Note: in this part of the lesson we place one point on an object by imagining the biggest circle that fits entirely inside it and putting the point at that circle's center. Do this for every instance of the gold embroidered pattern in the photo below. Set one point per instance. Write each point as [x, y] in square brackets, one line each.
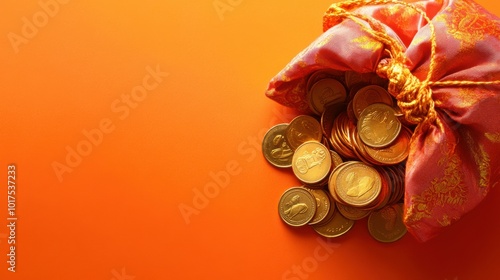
[493, 137]
[481, 158]
[448, 190]
[284, 78]
[468, 24]
[402, 17]
[302, 64]
[324, 41]
[445, 221]
[367, 43]
[417, 40]
[439, 58]
[468, 97]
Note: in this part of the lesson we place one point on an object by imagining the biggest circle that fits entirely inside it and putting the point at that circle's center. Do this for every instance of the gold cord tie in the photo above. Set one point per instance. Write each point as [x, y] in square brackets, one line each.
[414, 96]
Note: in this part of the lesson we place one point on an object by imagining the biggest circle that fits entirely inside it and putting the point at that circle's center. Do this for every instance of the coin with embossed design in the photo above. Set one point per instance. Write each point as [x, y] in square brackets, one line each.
[378, 125]
[325, 91]
[386, 224]
[394, 153]
[336, 227]
[351, 212]
[331, 211]
[297, 206]
[302, 129]
[324, 74]
[322, 205]
[311, 163]
[370, 95]
[357, 184]
[275, 148]
[350, 156]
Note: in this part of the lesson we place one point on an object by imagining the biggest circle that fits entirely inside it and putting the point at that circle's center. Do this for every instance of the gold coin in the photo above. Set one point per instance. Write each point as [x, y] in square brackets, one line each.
[360, 148]
[336, 159]
[370, 95]
[397, 183]
[386, 224]
[358, 184]
[351, 212]
[297, 206]
[311, 163]
[345, 133]
[378, 126]
[323, 92]
[331, 211]
[332, 181]
[390, 192]
[356, 147]
[324, 74]
[336, 227]
[340, 143]
[301, 129]
[322, 205]
[275, 148]
[385, 190]
[394, 153]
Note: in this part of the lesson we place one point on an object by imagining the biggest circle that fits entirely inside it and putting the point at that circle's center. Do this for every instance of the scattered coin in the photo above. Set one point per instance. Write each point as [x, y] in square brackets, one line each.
[386, 224]
[275, 148]
[322, 205]
[393, 154]
[351, 212]
[378, 125]
[351, 162]
[357, 184]
[297, 206]
[337, 226]
[302, 129]
[323, 92]
[370, 95]
[311, 163]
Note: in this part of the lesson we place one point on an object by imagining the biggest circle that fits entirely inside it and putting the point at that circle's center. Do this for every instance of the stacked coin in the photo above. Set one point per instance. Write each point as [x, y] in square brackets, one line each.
[349, 157]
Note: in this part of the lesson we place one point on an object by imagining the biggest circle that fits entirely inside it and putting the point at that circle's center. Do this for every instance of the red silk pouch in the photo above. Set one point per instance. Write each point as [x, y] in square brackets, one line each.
[442, 60]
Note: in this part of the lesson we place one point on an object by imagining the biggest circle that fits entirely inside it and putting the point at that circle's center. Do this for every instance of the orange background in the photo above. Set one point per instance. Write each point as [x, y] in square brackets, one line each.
[117, 215]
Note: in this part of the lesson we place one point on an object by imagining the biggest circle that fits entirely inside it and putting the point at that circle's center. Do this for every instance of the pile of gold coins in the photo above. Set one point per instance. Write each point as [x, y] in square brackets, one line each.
[349, 157]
